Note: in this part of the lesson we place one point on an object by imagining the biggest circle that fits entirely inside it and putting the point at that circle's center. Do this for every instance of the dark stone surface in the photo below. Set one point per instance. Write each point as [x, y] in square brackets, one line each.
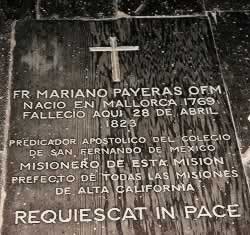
[77, 8]
[21, 9]
[222, 5]
[160, 7]
[18, 9]
[232, 35]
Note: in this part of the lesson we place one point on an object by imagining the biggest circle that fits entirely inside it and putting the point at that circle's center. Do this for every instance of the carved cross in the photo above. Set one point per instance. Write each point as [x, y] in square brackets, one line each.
[114, 49]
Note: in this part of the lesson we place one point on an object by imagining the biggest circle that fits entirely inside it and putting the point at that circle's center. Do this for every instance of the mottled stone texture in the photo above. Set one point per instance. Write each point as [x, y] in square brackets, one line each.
[16, 9]
[77, 8]
[5, 28]
[4, 65]
[236, 5]
[175, 7]
[160, 7]
[232, 35]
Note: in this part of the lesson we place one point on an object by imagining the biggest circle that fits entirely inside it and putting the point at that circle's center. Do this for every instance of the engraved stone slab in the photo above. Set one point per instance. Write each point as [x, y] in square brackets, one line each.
[153, 154]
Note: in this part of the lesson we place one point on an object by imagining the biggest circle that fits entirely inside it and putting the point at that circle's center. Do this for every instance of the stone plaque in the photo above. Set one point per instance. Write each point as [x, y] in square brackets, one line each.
[121, 127]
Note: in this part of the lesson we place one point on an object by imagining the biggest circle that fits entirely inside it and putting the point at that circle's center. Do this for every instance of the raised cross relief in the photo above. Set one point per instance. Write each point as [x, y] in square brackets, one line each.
[114, 49]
